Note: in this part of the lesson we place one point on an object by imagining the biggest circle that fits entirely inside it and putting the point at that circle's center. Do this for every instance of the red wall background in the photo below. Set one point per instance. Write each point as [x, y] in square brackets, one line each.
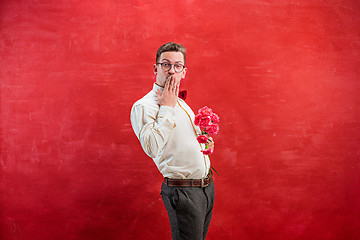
[282, 75]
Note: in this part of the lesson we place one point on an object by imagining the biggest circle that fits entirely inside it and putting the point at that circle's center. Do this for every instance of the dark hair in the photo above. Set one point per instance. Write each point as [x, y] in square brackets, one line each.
[170, 47]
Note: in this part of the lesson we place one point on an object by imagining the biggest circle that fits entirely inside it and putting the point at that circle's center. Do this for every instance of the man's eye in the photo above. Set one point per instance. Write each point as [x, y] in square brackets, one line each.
[178, 65]
[166, 64]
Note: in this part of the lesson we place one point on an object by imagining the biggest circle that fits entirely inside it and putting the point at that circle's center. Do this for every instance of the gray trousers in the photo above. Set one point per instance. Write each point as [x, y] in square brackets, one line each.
[189, 209]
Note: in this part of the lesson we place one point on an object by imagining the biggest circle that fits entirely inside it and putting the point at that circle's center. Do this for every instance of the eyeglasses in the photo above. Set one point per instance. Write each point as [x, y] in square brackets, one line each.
[167, 66]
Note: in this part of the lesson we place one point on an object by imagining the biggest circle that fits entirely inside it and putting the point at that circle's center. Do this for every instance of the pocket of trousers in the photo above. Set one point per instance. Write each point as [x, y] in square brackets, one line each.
[172, 194]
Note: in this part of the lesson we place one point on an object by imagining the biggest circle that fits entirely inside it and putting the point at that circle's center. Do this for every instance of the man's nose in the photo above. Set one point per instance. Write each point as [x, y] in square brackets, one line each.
[172, 69]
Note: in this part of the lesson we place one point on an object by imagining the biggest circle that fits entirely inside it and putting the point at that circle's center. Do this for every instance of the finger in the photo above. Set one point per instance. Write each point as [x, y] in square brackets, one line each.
[158, 93]
[169, 81]
[210, 143]
[173, 86]
[177, 90]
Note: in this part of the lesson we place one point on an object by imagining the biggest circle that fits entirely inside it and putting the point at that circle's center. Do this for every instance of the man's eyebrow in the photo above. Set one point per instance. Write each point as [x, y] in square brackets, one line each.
[169, 60]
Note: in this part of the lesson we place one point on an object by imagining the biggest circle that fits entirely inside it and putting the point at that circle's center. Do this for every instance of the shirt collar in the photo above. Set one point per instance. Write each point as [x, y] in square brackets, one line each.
[156, 87]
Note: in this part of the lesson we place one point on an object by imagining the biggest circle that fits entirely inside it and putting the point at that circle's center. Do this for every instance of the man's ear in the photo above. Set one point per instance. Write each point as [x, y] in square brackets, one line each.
[155, 69]
[184, 73]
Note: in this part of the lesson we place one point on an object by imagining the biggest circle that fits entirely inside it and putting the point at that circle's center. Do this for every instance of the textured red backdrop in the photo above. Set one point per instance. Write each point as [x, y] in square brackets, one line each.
[282, 75]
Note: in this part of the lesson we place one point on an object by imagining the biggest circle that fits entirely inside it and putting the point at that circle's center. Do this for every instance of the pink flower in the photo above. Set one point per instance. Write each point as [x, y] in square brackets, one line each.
[212, 129]
[208, 123]
[205, 111]
[214, 118]
[205, 122]
[197, 119]
[202, 138]
[202, 121]
[208, 151]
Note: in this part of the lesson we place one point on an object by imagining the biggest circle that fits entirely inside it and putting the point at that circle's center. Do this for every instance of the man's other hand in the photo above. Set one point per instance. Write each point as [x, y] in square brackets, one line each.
[210, 143]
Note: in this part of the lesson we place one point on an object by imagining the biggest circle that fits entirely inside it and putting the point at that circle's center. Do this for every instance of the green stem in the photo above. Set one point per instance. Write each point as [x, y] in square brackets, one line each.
[214, 170]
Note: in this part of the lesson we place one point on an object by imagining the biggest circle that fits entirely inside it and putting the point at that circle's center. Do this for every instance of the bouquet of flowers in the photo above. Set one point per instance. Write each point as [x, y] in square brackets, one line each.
[208, 123]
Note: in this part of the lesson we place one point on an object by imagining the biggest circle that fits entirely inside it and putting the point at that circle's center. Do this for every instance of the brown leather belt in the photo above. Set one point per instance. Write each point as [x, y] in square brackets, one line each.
[204, 182]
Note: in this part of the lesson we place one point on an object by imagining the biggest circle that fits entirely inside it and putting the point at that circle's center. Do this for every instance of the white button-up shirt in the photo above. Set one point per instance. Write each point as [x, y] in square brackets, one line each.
[168, 135]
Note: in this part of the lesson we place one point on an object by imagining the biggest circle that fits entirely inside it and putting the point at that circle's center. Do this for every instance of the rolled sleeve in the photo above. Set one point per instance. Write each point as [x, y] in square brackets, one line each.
[152, 127]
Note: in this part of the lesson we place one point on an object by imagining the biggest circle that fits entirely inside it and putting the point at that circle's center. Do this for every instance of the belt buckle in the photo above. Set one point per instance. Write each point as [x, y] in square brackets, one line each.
[202, 183]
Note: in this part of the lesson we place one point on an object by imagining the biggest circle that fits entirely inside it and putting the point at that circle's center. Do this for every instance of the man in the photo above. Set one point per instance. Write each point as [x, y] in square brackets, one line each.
[164, 125]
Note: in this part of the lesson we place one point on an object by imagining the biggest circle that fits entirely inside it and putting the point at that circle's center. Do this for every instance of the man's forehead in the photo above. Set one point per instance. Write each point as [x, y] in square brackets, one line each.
[172, 56]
